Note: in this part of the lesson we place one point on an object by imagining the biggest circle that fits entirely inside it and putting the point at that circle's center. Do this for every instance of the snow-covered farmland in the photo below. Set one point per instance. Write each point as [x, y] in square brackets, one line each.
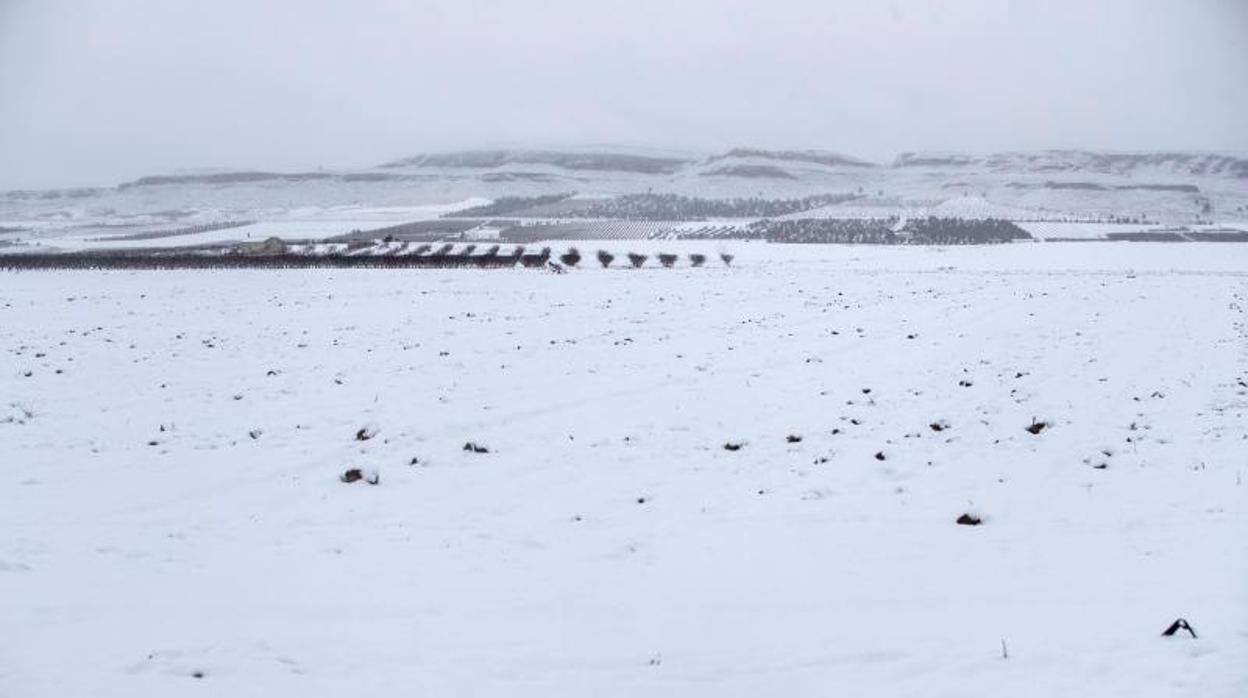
[1047, 230]
[173, 519]
[300, 223]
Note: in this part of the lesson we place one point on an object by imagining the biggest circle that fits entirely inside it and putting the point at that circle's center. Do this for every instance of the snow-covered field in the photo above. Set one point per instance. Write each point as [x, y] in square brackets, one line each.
[1046, 230]
[302, 223]
[174, 524]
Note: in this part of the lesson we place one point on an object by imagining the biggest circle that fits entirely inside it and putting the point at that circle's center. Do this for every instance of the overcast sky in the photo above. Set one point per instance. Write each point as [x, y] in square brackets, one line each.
[95, 92]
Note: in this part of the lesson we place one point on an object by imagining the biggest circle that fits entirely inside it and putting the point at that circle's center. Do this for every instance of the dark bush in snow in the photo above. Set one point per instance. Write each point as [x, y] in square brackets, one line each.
[605, 258]
[727, 258]
[636, 259]
[571, 258]
[697, 260]
[667, 260]
[539, 259]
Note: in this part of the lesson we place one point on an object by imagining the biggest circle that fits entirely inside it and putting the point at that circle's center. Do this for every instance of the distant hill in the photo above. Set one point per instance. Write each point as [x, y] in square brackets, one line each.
[1051, 184]
[1086, 161]
[590, 161]
[817, 157]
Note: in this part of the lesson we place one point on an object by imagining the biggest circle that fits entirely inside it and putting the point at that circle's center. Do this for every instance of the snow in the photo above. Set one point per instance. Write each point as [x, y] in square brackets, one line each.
[1046, 230]
[978, 207]
[95, 241]
[973, 207]
[300, 223]
[607, 544]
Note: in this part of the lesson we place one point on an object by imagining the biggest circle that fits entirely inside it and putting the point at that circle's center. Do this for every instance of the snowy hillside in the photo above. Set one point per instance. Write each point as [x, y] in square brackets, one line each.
[1171, 188]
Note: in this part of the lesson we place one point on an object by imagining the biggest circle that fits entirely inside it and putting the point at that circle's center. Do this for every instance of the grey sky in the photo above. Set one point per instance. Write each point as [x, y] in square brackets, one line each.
[99, 91]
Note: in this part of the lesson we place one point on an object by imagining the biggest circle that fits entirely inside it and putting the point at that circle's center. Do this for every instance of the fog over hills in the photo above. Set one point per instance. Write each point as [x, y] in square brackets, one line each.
[577, 163]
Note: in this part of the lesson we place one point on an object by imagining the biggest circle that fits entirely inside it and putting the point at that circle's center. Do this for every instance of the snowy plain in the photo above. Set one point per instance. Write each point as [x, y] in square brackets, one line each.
[302, 223]
[174, 523]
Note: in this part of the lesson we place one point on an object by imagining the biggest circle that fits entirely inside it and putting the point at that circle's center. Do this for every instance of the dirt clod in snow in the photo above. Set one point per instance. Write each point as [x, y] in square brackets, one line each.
[372, 477]
[969, 520]
[365, 433]
[732, 446]
[1037, 427]
[473, 447]
[793, 438]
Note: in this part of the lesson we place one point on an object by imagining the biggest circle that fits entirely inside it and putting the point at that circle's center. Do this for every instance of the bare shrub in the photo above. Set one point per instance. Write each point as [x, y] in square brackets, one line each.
[727, 258]
[571, 258]
[637, 259]
[667, 260]
[533, 260]
[605, 258]
[697, 260]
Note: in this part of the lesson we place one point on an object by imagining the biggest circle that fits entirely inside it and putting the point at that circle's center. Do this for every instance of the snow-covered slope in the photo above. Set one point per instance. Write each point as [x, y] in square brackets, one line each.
[1089, 162]
[1164, 187]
